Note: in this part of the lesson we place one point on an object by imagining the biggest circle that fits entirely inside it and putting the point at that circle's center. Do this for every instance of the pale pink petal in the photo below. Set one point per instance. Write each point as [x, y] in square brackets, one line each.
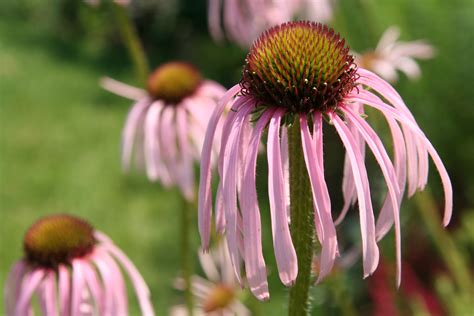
[78, 287]
[286, 168]
[385, 219]
[168, 143]
[285, 253]
[388, 38]
[134, 120]
[230, 169]
[47, 294]
[320, 193]
[119, 290]
[370, 251]
[12, 286]
[381, 156]
[122, 89]
[64, 288]
[30, 284]
[186, 181]
[94, 285]
[254, 261]
[107, 277]
[142, 291]
[214, 20]
[151, 143]
[413, 127]
[205, 194]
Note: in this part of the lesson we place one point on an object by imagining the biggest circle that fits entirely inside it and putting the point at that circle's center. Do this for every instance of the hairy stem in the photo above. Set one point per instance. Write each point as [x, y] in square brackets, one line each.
[302, 224]
[133, 43]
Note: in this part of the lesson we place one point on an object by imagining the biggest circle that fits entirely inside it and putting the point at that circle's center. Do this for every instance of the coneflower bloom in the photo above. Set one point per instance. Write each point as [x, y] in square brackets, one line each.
[298, 75]
[72, 269]
[244, 20]
[219, 292]
[165, 128]
[391, 55]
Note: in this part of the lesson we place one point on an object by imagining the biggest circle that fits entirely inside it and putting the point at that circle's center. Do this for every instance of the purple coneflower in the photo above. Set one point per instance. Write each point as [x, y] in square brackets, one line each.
[165, 127]
[244, 20]
[73, 270]
[296, 76]
[218, 293]
[391, 55]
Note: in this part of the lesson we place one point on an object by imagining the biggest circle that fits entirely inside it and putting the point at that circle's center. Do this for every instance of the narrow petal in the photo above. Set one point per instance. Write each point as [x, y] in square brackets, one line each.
[389, 111]
[117, 282]
[134, 119]
[12, 286]
[64, 287]
[381, 156]
[370, 251]
[168, 143]
[285, 253]
[95, 286]
[78, 286]
[205, 193]
[286, 168]
[107, 279]
[151, 142]
[141, 289]
[319, 190]
[186, 181]
[254, 261]
[30, 284]
[230, 169]
[122, 89]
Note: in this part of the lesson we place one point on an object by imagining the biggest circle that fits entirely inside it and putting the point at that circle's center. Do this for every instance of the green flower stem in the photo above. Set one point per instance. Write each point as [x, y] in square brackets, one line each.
[187, 208]
[302, 224]
[133, 43]
[450, 253]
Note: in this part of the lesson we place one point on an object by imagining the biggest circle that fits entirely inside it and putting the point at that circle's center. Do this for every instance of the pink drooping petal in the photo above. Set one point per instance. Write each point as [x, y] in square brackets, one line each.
[286, 169]
[211, 89]
[64, 289]
[168, 143]
[214, 21]
[320, 193]
[29, 285]
[47, 294]
[119, 291]
[389, 111]
[388, 171]
[94, 285]
[205, 193]
[12, 286]
[285, 253]
[78, 287]
[143, 293]
[220, 214]
[230, 170]
[134, 120]
[186, 181]
[385, 219]
[370, 251]
[254, 261]
[107, 280]
[122, 89]
[151, 143]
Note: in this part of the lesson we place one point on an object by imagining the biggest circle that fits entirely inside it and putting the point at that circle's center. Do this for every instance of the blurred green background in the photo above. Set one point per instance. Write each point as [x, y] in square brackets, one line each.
[60, 132]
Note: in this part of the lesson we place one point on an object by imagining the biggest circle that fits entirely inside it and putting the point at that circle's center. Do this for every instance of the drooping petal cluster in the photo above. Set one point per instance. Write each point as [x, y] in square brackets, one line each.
[237, 211]
[89, 282]
[164, 130]
[218, 291]
[392, 55]
[244, 20]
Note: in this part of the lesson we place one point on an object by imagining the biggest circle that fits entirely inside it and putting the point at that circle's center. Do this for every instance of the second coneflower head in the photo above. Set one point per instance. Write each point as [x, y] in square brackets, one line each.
[297, 76]
[164, 130]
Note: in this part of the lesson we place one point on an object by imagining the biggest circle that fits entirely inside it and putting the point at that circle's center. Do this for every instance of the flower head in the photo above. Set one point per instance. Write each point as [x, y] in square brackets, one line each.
[298, 75]
[73, 270]
[165, 128]
[391, 56]
[219, 291]
[244, 20]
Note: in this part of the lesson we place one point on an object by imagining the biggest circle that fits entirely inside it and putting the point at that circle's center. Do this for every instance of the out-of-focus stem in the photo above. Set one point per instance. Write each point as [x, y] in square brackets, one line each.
[302, 225]
[446, 246]
[132, 42]
[187, 208]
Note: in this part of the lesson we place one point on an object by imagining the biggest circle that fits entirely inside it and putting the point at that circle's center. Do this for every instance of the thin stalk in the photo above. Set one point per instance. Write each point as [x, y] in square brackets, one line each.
[450, 253]
[133, 43]
[302, 224]
[187, 208]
